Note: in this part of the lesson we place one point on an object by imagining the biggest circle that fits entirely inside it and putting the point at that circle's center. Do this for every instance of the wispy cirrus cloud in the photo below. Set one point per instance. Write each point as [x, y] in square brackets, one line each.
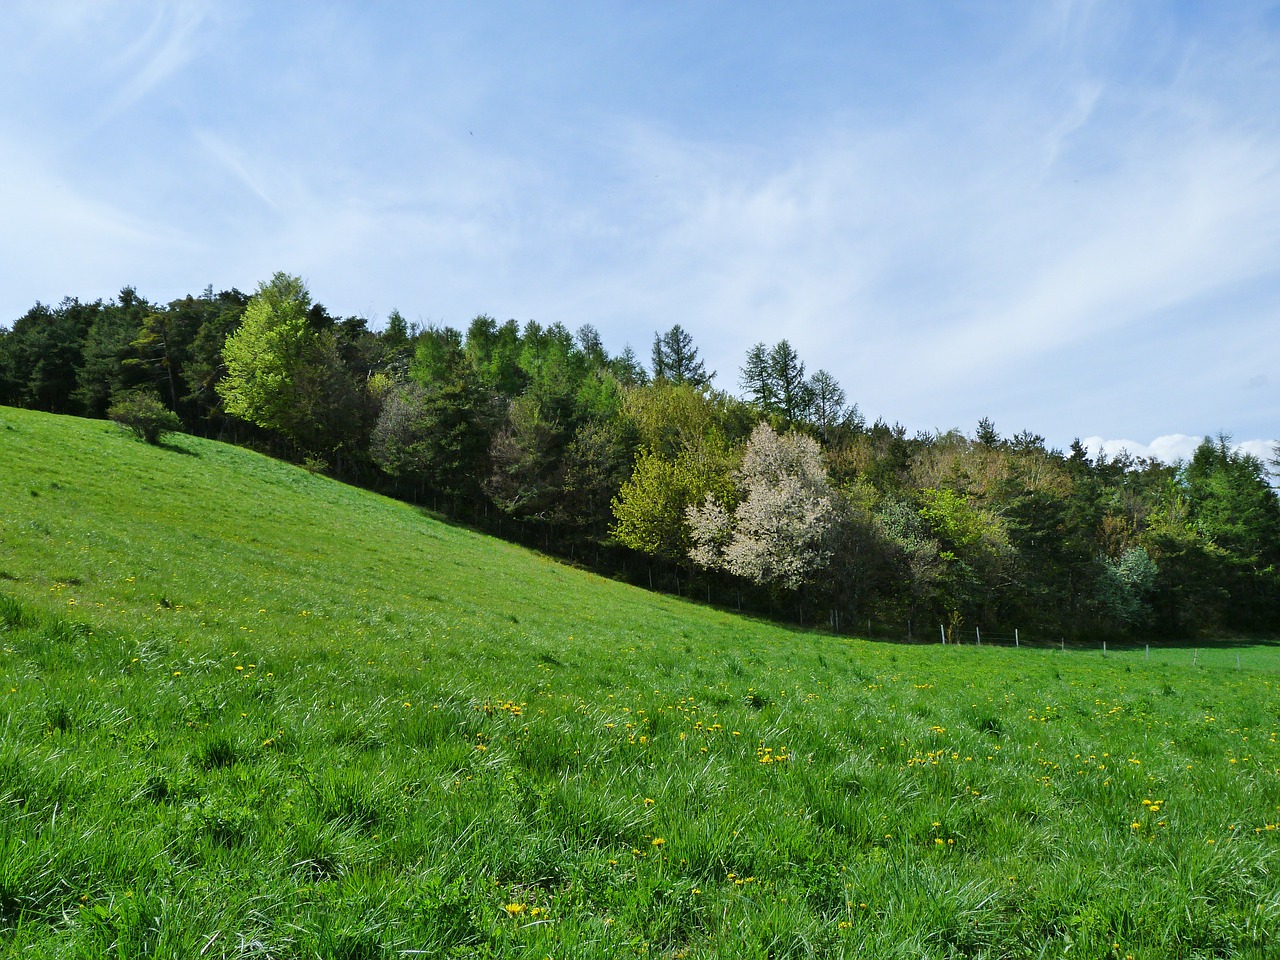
[978, 239]
[168, 42]
[1062, 216]
[946, 272]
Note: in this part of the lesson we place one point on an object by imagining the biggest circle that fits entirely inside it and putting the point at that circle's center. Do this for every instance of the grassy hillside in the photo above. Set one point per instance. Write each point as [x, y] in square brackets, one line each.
[248, 711]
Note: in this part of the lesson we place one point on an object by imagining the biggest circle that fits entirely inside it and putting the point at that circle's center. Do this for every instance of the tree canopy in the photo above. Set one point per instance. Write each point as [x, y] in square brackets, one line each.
[781, 497]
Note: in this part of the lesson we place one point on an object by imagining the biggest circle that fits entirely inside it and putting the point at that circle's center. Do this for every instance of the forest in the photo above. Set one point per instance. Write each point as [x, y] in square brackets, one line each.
[779, 499]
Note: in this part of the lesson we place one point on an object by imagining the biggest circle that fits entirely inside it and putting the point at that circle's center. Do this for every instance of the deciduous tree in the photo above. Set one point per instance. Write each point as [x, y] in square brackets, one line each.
[776, 534]
[650, 510]
[284, 374]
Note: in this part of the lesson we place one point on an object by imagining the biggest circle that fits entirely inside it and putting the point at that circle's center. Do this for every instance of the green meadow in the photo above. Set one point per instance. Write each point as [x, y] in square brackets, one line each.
[248, 711]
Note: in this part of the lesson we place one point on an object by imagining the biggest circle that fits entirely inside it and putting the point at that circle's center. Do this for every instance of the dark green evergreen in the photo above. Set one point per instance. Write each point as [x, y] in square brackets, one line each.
[539, 434]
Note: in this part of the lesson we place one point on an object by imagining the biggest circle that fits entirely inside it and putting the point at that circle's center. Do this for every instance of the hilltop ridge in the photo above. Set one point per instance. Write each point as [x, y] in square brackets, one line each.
[245, 709]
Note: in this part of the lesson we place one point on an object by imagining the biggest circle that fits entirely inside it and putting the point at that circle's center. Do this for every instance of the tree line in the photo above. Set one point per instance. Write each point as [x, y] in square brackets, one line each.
[780, 499]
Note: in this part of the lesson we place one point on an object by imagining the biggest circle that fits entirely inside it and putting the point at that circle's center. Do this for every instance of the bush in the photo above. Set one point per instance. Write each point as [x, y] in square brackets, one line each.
[145, 415]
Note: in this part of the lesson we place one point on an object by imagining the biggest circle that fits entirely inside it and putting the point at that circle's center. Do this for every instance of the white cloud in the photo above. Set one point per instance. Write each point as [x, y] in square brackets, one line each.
[1264, 450]
[1172, 448]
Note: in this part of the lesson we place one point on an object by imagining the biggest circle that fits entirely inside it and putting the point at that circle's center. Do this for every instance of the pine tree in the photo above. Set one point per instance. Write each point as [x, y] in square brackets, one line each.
[756, 380]
[827, 408]
[786, 370]
[675, 359]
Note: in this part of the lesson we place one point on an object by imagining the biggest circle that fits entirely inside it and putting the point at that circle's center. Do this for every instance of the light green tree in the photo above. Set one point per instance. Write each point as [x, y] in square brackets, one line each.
[264, 355]
[282, 372]
[650, 510]
[974, 550]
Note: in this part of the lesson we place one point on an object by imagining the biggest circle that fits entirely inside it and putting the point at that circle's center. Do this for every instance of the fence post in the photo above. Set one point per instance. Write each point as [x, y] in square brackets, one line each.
[1104, 648]
[1015, 636]
[1148, 646]
[943, 630]
[979, 634]
[1063, 641]
[1195, 656]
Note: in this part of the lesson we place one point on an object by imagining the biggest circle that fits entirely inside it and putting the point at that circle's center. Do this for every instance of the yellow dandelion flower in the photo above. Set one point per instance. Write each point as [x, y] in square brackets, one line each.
[514, 909]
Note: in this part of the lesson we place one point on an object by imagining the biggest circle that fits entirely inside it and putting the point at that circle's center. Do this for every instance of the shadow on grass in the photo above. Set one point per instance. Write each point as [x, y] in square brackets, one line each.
[431, 513]
[174, 448]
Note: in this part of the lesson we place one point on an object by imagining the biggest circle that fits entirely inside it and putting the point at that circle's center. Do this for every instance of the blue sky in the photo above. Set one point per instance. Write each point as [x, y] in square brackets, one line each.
[1064, 216]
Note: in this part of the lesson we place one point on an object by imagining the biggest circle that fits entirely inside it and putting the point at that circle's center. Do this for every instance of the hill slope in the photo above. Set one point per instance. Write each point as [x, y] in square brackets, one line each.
[245, 710]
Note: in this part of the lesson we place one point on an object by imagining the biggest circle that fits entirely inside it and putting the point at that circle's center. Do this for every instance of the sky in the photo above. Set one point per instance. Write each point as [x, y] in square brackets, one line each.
[1062, 216]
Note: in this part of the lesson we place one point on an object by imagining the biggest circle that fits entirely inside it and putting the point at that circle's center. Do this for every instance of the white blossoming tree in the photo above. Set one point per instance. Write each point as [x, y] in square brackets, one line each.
[777, 535]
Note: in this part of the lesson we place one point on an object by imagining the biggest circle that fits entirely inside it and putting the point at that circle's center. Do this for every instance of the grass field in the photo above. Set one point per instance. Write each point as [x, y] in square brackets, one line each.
[248, 711]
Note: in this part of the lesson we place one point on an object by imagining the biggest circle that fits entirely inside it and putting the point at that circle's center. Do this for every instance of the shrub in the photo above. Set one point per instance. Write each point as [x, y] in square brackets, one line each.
[145, 415]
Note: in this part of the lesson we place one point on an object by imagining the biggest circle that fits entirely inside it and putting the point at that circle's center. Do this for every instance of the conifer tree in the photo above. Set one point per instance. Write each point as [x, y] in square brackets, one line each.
[675, 359]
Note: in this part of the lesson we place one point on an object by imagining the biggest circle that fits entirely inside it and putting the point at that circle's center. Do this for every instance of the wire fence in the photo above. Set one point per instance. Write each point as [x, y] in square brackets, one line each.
[1223, 654]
